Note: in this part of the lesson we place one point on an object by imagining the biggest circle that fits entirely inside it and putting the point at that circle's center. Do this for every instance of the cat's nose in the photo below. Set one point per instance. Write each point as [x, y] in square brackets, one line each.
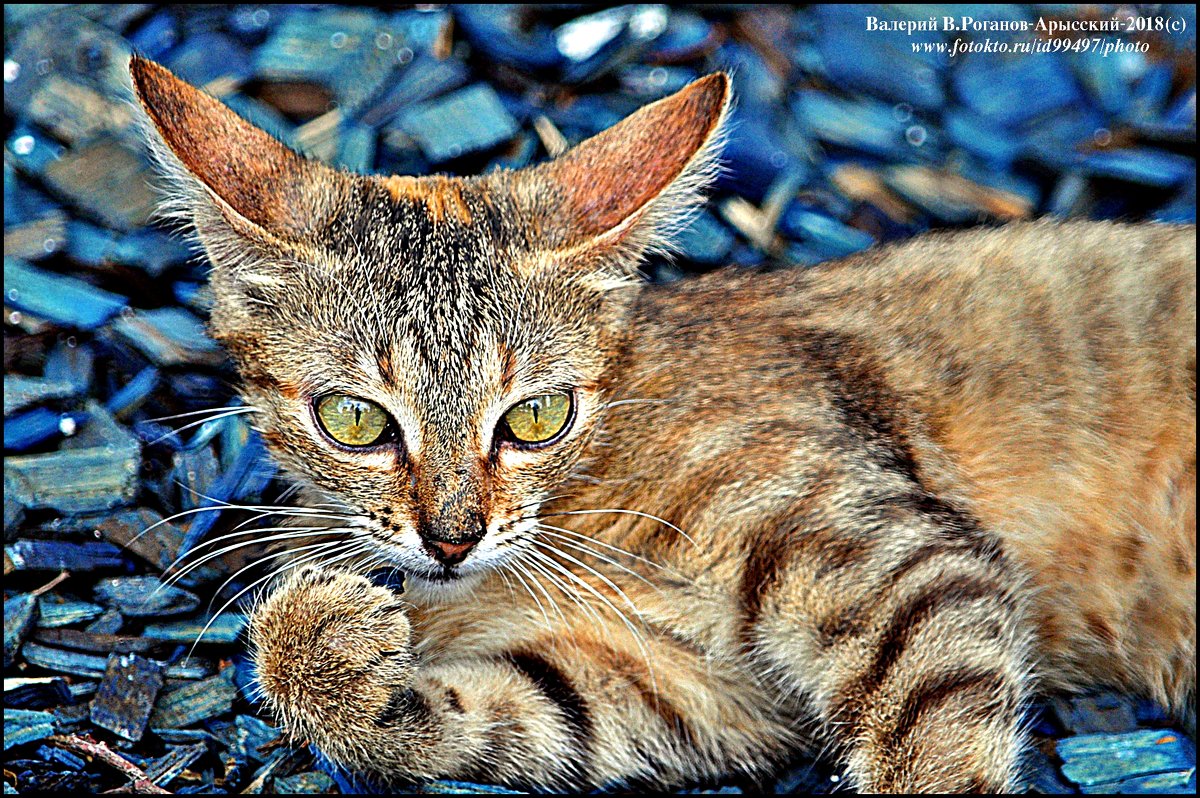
[449, 553]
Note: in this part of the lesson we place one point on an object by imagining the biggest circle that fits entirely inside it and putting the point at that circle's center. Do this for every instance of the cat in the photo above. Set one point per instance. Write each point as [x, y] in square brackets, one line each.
[653, 534]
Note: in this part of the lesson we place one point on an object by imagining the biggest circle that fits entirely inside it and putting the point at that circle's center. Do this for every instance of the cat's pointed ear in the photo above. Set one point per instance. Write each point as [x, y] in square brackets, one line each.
[215, 160]
[630, 186]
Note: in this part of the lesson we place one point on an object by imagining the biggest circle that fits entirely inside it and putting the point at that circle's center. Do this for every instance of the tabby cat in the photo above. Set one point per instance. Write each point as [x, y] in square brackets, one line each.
[659, 533]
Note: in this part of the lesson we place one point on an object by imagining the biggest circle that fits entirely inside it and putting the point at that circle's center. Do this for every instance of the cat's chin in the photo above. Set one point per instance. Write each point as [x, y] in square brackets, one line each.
[442, 587]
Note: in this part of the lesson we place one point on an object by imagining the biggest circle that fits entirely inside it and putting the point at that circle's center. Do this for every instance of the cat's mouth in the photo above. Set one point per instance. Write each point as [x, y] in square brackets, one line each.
[448, 573]
[419, 565]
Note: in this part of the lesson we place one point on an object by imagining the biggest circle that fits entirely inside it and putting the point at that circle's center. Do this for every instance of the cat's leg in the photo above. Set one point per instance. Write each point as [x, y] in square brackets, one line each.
[904, 629]
[558, 711]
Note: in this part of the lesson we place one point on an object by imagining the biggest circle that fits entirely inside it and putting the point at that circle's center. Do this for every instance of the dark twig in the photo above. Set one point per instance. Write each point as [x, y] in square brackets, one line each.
[139, 781]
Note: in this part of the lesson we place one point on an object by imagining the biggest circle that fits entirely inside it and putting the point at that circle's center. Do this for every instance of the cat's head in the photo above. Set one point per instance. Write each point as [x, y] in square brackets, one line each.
[430, 353]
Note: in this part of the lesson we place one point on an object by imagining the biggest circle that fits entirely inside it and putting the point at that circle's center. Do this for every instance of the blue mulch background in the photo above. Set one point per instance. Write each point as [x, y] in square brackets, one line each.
[843, 136]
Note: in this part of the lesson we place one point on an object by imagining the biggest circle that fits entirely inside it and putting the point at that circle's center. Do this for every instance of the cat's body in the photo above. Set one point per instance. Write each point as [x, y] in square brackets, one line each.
[851, 507]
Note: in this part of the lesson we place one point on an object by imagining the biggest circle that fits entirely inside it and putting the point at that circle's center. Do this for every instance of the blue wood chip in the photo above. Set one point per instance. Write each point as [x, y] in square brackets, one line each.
[109, 623]
[247, 475]
[193, 703]
[95, 471]
[496, 31]
[150, 250]
[144, 596]
[72, 363]
[107, 180]
[759, 87]
[23, 726]
[21, 392]
[65, 300]
[126, 695]
[36, 239]
[1094, 759]
[61, 757]
[225, 629]
[1140, 165]
[649, 83]
[251, 735]
[213, 60]
[687, 36]
[705, 240]
[20, 614]
[156, 36]
[89, 54]
[14, 510]
[55, 611]
[63, 661]
[1094, 712]
[54, 555]
[283, 761]
[183, 736]
[356, 147]
[169, 337]
[466, 121]
[352, 51]
[869, 126]
[982, 137]
[313, 782]
[1039, 775]
[879, 63]
[423, 79]
[39, 426]
[30, 151]
[998, 86]
[596, 43]
[133, 393]
[143, 533]
[165, 769]
[1179, 782]
[37, 693]
[447, 787]
[827, 236]
[195, 473]
[74, 111]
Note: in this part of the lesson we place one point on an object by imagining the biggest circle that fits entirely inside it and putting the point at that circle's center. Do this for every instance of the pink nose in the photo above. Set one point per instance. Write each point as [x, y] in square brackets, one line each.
[450, 553]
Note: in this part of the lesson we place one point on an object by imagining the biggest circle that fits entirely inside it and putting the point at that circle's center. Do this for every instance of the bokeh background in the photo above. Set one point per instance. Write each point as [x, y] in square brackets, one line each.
[842, 137]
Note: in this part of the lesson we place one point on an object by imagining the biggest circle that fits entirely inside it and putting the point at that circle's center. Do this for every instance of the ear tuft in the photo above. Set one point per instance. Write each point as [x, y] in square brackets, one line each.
[636, 183]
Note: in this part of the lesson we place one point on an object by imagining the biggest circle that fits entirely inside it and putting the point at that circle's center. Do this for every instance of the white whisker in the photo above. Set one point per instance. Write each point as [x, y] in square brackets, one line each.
[236, 412]
[611, 584]
[246, 589]
[588, 550]
[639, 639]
[620, 402]
[625, 512]
[292, 534]
[567, 572]
[609, 546]
[211, 410]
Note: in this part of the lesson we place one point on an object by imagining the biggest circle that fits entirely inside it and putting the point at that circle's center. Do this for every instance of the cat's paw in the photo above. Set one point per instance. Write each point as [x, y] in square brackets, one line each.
[331, 651]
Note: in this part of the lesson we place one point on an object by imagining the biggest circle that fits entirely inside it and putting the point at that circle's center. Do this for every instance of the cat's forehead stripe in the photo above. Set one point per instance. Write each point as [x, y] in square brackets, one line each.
[441, 196]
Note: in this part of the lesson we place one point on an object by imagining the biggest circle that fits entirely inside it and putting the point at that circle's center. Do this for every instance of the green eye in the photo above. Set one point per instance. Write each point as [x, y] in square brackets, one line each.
[351, 421]
[538, 419]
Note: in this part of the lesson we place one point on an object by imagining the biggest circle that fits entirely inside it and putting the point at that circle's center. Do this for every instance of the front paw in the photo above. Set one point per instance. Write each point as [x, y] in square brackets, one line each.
[331, 651]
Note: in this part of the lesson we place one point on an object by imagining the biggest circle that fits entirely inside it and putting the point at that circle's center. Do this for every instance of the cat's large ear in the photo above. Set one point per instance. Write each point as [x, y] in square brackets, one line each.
[630, 187]
[215, 161]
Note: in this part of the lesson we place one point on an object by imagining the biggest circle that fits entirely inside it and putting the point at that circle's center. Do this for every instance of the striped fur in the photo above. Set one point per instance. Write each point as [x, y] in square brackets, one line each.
[866, 508]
